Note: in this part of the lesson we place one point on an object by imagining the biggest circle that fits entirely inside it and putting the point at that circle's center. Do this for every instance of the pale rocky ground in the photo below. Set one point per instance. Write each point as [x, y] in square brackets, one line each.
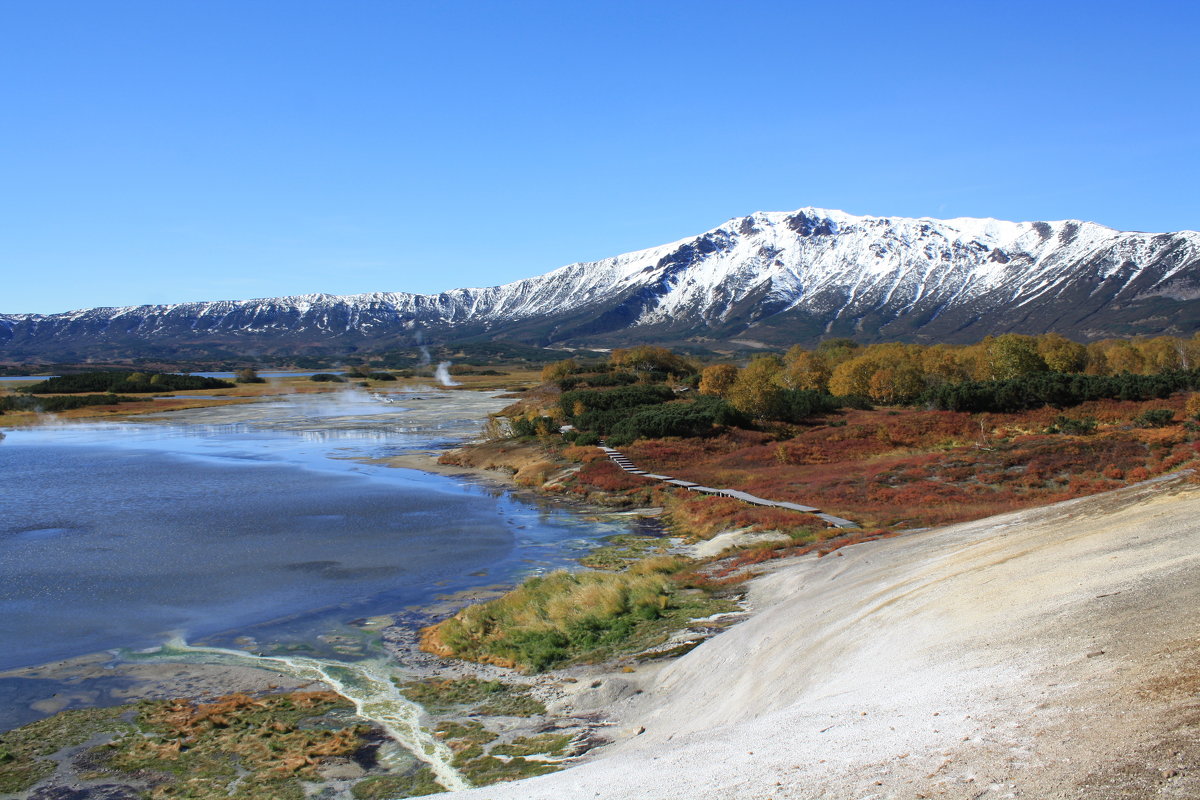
[1052, 653]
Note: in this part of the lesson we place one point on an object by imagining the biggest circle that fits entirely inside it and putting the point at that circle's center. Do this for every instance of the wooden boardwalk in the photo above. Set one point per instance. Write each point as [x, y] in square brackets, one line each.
[624, 463]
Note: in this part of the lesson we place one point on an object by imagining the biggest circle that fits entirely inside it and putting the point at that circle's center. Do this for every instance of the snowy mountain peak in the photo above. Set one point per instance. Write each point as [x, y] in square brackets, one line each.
[781, 277]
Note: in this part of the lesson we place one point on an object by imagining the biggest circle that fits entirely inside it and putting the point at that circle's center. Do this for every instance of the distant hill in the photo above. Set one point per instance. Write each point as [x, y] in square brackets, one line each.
[771, 277]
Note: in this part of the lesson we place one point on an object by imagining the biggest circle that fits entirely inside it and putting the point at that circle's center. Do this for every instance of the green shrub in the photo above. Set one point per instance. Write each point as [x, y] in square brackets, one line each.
[617, 401]
[55, 404]
[131, 382]
[1055, 389]
[537, 426]
[1154, 418]
[326, 377]
[695, 418]
[1075, 427]
[248, 375]
[420, 783]
[595, 380]
[797, 405]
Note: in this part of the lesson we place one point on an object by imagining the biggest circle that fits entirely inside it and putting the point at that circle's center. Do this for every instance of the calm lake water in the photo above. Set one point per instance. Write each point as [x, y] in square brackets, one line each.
[120, 535]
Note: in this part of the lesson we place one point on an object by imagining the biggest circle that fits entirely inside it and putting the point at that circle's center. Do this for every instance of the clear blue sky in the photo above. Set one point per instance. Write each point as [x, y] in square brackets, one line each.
[176, 150]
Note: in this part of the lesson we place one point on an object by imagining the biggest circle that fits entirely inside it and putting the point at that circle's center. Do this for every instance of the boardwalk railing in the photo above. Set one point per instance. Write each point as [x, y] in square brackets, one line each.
[624, 463]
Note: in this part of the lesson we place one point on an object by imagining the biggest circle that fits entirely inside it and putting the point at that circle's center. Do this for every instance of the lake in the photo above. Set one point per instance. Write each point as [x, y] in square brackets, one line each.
[270, 525]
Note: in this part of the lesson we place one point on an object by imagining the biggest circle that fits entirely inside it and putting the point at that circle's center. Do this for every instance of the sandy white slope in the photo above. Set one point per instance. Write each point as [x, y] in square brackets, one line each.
[1043, 654]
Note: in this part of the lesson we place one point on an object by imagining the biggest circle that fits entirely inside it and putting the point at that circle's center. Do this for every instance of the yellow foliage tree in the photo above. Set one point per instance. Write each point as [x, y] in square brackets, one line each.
[650, 358]
[1160, 354]
[835, 351]
[558, 370]
[806, 370]
[717, 379]
[1122, 356]
[1061, 354]
[1097, 360]
[853, 377]
[899, 384]
[756, 390]
[1012, 355]
[939, 364]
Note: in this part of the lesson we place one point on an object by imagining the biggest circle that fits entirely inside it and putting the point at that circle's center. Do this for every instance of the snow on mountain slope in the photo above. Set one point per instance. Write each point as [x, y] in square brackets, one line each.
[780, 276]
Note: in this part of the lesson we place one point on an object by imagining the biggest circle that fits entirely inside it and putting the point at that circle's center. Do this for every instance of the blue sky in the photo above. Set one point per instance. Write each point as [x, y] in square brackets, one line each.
[167, 151]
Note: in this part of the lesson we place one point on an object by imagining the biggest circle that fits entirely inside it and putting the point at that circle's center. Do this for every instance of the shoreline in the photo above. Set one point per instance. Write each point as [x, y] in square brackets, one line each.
[104, 679]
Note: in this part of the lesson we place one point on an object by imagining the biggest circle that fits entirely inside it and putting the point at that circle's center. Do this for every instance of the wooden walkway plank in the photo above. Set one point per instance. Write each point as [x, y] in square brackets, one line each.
[628, 466]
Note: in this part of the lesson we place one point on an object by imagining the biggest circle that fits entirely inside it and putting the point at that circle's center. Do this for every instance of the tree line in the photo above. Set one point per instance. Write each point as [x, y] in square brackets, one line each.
[128, 382]
[650, 392]
[56, 404]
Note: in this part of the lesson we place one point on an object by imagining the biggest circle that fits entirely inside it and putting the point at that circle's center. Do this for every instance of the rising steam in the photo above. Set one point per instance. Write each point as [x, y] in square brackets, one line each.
[442, 373]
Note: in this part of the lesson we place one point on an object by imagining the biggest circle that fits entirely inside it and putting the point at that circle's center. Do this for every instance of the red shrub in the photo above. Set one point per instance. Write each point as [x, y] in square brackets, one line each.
[608, 477]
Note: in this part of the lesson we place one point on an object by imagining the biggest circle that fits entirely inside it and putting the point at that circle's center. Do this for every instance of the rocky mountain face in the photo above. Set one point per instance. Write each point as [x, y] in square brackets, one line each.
[771, 277]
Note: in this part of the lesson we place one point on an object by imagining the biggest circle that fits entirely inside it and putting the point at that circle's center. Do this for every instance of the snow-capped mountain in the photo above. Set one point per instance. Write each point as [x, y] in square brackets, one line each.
[775, 277]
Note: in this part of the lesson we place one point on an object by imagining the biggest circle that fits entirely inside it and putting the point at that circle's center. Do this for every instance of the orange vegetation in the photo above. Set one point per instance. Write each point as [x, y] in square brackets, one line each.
[914, 468]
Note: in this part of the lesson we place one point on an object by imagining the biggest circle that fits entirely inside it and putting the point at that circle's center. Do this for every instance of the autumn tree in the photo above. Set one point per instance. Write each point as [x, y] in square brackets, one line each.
[1012, 355]
[1061, 354]
[558, 370]
[940, 364]
[1122, 356]
[650, 358]
[1097, 359]
[853, 377]
[248, 375]
[835, 351]
[718, 379]
[1159, 354]
[1191, 408]
[1189, 352]
[887, 373]
[892, 385]
[757, 391]
[804, 369]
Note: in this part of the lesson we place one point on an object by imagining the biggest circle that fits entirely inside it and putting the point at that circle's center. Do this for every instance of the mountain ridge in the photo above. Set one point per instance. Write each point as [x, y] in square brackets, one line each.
[778, 277]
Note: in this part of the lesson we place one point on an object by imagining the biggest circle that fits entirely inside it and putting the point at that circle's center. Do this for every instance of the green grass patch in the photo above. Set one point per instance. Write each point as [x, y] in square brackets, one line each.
[471, 731]
[465, 739]
[494, 698]
[236, 746]
[24, 751]
[440, 695]
[513, 704]
[623, 550]
[585, 616]
[481, 761]
[385, 787]
[489, 769]
[550, 744]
